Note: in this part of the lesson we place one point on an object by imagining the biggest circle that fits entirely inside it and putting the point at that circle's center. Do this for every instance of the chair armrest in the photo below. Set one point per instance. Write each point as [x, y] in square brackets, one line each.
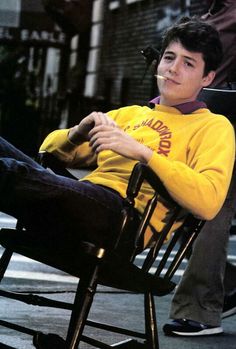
[140, 173]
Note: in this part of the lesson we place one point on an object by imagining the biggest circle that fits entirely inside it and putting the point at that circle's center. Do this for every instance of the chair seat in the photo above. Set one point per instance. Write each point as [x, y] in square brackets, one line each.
[115, 271]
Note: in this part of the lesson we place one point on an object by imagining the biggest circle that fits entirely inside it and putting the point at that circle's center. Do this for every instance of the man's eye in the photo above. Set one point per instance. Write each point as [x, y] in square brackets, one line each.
[168, 58]
[189, 64]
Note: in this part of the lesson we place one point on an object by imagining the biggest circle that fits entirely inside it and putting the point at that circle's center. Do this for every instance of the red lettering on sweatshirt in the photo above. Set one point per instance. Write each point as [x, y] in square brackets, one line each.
[164, 133]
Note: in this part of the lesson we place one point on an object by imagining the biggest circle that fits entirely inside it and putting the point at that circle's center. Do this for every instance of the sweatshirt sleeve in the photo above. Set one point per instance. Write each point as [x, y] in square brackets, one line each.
[201, 185]
[58, 143]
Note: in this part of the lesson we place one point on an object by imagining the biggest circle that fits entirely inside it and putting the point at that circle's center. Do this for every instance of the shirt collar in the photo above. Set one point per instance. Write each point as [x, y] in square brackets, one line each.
[184, 108]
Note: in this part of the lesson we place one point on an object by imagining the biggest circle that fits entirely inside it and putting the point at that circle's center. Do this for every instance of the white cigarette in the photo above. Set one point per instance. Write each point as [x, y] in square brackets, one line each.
[160, 77]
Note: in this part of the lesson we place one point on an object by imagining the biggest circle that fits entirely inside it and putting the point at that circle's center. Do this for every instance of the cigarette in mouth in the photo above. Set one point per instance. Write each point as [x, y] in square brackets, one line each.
[160, 77]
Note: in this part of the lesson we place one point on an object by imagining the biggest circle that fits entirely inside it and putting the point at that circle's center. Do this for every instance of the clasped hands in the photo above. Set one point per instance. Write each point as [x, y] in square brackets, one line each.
[103, 133]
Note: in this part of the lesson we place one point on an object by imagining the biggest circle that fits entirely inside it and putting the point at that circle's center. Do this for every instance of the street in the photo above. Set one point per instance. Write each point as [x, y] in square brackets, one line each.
[124, 310]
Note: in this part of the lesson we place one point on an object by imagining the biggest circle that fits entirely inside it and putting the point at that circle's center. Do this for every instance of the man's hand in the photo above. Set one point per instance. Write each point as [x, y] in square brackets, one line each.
[79, 133]
[107, 137]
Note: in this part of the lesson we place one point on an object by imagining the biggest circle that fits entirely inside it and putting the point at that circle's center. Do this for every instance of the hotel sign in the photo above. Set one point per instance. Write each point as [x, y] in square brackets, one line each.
[43, 37]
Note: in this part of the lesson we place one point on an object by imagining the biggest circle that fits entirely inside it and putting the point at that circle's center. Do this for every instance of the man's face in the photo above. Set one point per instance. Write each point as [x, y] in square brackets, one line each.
[184, 72]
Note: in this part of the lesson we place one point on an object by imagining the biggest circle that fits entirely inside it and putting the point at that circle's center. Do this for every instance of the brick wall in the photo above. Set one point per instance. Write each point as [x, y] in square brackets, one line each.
[198, 7]
[127, 30]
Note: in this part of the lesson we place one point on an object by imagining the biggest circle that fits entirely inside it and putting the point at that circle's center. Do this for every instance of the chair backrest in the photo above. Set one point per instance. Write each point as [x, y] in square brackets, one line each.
[220, 101]
[140, 173]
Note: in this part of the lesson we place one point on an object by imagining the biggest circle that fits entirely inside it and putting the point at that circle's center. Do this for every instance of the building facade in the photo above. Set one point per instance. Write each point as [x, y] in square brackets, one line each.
[41, 42]
[61, 59]
[127, 27]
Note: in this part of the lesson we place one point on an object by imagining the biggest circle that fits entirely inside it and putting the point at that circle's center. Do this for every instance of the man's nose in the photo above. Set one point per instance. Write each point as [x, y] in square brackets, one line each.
[175, 66]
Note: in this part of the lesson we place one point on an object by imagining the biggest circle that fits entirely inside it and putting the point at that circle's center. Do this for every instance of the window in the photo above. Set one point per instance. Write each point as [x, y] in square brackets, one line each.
[185, 5]
[90, 85]
[10, 13]
[132, 1]
[114, 4]
[93, 60]
[94, 52]
[74, 48]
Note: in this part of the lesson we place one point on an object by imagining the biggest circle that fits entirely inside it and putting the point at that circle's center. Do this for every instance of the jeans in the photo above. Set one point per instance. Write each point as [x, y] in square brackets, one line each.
[55, 206]
[200, 294]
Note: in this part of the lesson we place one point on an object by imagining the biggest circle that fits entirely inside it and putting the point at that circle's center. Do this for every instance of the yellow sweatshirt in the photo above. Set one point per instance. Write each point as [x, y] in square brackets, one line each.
[193, 154]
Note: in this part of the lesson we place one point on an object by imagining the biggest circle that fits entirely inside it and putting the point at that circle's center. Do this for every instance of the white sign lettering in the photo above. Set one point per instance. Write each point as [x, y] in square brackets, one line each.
[5, 34]
[27, 35]
[53, 37]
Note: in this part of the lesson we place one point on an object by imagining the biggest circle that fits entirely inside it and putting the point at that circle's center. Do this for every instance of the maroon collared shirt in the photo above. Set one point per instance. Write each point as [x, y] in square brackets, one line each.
[184, 108]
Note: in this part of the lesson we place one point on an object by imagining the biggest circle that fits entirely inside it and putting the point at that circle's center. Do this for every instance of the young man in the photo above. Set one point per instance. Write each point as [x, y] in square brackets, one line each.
[198, 304]
[187, 146]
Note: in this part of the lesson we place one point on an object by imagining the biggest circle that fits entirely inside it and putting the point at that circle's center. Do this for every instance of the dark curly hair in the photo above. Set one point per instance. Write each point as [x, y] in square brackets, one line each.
[197, 36]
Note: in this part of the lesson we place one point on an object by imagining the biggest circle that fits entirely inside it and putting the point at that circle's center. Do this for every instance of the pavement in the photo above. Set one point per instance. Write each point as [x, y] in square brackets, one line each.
[110, 306]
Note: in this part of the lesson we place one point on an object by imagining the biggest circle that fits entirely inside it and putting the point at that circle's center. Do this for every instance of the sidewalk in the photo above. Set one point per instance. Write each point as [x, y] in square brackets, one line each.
[124, 310]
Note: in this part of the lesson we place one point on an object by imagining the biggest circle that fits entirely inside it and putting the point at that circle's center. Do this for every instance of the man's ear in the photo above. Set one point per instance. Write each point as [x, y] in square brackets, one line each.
[207, 80]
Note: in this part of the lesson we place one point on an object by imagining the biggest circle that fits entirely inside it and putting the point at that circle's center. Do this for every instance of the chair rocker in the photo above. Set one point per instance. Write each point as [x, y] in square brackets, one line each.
[94, 265]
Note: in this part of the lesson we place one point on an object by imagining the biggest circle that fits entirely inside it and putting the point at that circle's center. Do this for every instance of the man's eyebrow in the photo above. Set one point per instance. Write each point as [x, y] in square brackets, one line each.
[169, 52]
[191, 58]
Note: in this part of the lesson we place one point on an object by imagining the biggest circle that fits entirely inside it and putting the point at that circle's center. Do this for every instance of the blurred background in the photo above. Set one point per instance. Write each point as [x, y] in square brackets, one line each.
[61, 59]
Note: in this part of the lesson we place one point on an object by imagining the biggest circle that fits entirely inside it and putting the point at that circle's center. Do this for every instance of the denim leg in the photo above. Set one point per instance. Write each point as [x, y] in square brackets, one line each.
[200, 294]
[54, 205]
[7, 150]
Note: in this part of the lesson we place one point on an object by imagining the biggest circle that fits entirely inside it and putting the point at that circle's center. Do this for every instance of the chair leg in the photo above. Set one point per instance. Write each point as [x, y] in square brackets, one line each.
[4, 261]
[82, 304]
[150, 321]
